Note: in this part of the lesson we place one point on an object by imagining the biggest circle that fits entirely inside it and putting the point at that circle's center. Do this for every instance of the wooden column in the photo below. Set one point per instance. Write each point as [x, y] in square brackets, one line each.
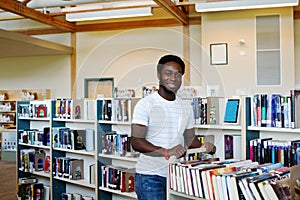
[186, 55]
[73, 71]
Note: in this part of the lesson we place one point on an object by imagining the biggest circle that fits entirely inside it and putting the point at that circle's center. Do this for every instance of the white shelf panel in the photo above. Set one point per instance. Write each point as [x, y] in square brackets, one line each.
[35, 118]
[41, 173]
[115, 157]
[173, 193]
[38, 173]
[274, 129]
[74, 120]
[218, 126]
[114, 122]
[81, 152]
[118, 192]
[81, 182]
[35, 146]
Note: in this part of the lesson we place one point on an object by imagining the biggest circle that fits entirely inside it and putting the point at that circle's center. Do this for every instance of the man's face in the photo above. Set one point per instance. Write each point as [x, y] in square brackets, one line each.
[170, 76]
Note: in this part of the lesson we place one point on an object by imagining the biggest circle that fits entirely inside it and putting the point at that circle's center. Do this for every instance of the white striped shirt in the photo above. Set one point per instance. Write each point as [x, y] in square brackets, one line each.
[166, 122]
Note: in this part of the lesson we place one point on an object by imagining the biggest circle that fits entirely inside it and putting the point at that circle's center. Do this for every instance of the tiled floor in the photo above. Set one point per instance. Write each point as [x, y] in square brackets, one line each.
[8, 182]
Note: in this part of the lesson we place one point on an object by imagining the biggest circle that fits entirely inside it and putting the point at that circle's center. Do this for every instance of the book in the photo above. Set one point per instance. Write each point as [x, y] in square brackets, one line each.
[267, 190]
[77, 169]
[77, 109]
[27, 180]
[24, 191]
[46, 192]
[37, 191]
[82, 139]
[78, 139]
[234, 178]
[89, 109]
[39, 158]
[90, 135]
[92, 174]
[127, 180]
[253, 181]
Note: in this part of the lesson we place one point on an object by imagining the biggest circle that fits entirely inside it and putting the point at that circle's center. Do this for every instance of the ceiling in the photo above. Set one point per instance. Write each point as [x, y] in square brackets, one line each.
[51, 15]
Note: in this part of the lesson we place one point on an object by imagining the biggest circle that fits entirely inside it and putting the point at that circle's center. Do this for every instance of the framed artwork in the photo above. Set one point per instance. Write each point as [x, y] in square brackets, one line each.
[95, 87]
[218, 54]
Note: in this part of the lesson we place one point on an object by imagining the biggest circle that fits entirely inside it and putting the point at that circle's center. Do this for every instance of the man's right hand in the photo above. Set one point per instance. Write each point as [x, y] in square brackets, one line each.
[178, 151]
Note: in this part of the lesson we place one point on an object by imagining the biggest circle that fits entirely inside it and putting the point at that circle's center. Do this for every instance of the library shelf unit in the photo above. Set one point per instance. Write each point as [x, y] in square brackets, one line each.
[121, 126]
[255, 132]
[27, 145]
[8, 112]
[58, 185]
[84, 186]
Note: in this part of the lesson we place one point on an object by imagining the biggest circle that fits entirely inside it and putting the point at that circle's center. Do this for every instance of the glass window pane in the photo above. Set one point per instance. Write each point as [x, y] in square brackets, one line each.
[267, 32]
[268, 68]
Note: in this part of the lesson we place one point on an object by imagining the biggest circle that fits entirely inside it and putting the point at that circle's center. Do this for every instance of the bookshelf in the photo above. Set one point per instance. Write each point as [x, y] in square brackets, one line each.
[29, 124]
[30, 144]
[8, 103]
[255, 131]
[219, 131]
[117, 120]
[86, 185]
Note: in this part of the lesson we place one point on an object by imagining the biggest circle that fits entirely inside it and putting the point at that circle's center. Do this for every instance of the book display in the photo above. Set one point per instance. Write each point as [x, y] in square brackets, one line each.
[234, 179]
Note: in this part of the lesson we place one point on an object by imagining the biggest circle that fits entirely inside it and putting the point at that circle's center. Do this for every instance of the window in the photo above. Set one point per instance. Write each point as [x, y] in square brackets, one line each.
[98, 86]
[268, 67]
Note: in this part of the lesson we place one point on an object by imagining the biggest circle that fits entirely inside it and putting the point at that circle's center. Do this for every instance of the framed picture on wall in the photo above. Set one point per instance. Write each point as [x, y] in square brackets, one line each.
[218, 54]
[98, 87]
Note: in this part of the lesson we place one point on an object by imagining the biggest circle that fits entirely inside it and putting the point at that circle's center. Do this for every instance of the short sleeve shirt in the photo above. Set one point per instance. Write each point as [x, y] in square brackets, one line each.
[166, 122]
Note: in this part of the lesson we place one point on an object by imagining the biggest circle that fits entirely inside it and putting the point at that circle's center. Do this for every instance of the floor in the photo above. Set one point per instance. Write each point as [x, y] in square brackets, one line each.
[8, 182]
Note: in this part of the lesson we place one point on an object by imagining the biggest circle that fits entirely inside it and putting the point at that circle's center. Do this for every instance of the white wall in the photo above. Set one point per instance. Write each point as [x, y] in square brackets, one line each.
[38, 72]
[240, 73]
[129, 56]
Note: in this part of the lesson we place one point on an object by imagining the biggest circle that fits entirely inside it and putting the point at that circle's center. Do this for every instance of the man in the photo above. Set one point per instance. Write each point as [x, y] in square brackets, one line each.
[162, 127]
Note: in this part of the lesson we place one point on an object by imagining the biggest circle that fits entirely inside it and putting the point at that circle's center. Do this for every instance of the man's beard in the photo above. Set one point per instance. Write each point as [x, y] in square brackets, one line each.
[167, 90]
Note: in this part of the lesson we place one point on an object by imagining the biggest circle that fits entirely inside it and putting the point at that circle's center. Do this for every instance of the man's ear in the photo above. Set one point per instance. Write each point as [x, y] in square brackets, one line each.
[158, 75]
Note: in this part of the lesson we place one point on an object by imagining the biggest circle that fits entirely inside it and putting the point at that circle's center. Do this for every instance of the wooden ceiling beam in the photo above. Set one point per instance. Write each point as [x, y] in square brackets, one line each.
[296, 14]
[41, 31]
[105, 26]
[133, 24]
[169, 6]
[126, 25]
[21, 9]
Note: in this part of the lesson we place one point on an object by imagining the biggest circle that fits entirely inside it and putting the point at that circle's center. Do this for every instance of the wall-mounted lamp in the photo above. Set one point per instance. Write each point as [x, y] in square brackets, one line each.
[243, 4]
[109, 14]
[242, 42]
